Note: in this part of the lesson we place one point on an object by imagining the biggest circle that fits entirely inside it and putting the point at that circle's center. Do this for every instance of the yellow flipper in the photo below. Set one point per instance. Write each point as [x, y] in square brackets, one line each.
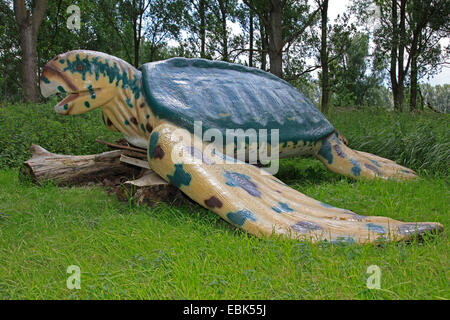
[256, 201]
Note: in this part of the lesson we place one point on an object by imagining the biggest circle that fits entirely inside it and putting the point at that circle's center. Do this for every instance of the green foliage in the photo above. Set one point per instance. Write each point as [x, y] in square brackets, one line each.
[437, 97]
[421, 142]
[24, 124]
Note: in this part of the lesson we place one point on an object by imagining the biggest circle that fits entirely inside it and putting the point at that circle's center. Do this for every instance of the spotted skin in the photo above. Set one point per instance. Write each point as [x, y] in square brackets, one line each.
[97, 80]
[240, 193]
[229, 190]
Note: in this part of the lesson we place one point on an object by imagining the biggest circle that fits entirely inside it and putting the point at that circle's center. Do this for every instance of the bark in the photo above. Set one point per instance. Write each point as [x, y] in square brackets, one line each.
[74, 170]
[29, 24]
[324, 57]
[414, 79]
[250, 55]
[223, 20]
[401, 55]
[276, 39]
[264, 44]
[202, 9]
[394, 47]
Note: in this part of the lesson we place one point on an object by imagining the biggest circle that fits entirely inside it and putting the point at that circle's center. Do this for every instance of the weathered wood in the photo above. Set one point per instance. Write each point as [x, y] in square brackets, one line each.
[74, 170]
[135, 162]
[149, 189]
[121, 146]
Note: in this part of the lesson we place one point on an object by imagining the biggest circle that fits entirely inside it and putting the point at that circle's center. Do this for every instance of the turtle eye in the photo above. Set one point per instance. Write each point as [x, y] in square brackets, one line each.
[80, 67]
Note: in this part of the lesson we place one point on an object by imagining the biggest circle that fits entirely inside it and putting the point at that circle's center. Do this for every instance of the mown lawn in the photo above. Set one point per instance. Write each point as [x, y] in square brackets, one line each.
[167, 252]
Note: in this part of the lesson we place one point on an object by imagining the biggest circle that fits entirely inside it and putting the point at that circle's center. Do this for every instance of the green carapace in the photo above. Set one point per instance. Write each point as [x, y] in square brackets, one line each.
[224, 95]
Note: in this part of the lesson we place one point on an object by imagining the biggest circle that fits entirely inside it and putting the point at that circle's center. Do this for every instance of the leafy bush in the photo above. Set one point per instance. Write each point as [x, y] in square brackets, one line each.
[24, 124]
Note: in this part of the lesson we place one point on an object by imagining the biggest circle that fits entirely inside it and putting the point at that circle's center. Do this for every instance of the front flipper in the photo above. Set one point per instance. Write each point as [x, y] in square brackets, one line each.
[256, 201]
[357, 164]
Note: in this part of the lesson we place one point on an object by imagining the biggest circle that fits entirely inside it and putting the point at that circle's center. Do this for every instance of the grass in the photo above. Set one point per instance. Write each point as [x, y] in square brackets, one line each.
[166, 252]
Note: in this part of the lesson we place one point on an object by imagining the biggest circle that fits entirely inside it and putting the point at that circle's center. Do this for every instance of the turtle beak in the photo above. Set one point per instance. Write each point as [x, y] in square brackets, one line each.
[53, 81]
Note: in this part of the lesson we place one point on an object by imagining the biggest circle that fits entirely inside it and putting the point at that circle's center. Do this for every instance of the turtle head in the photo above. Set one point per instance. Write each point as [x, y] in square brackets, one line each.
[90, 79]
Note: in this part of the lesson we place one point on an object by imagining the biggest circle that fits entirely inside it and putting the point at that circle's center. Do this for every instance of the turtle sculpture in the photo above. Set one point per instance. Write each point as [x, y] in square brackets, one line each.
[157, 106]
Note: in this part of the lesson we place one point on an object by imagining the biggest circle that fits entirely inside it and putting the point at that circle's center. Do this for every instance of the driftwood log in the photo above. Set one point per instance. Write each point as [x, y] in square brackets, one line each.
[74, 170]
[124, 172]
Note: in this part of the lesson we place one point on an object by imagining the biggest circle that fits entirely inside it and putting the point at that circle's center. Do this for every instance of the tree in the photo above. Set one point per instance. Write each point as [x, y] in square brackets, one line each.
[323, 4]
[284, 21]
[407, 34]
[222, 12]
[351, 80]
[428, 21]
[29, 20]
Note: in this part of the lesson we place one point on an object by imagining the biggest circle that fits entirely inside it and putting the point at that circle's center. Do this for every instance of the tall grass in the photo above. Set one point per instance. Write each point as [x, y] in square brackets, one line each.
[418, 141]
[421, 142]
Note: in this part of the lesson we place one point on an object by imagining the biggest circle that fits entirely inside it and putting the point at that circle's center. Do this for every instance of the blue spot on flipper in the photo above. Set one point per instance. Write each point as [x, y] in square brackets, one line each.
[375, 228]
[375, 163]
[282, 207]
[371, 167]
[305, 226]
[152, 144]
[180, 177]
[413, 228]
[326, 151]
[61, 89]
[87, 104]
[45, 79]
[339, 151]
[285, 207]
[356, 170]
[239, 217]
[235, 179]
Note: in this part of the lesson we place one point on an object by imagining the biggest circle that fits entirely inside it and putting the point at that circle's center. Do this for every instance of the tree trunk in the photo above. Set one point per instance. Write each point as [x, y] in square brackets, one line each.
[250, 54]
[414, 72]
[394, 47]
[28, 31]
[202, 8]
[401, 55]
[264, 46]
[276, 39]
[223, 16]
[324, 57]
[74, 170]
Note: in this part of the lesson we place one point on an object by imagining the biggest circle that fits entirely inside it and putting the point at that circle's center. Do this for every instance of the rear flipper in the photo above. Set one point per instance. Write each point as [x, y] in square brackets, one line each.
[356, 164]
[257, 202]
